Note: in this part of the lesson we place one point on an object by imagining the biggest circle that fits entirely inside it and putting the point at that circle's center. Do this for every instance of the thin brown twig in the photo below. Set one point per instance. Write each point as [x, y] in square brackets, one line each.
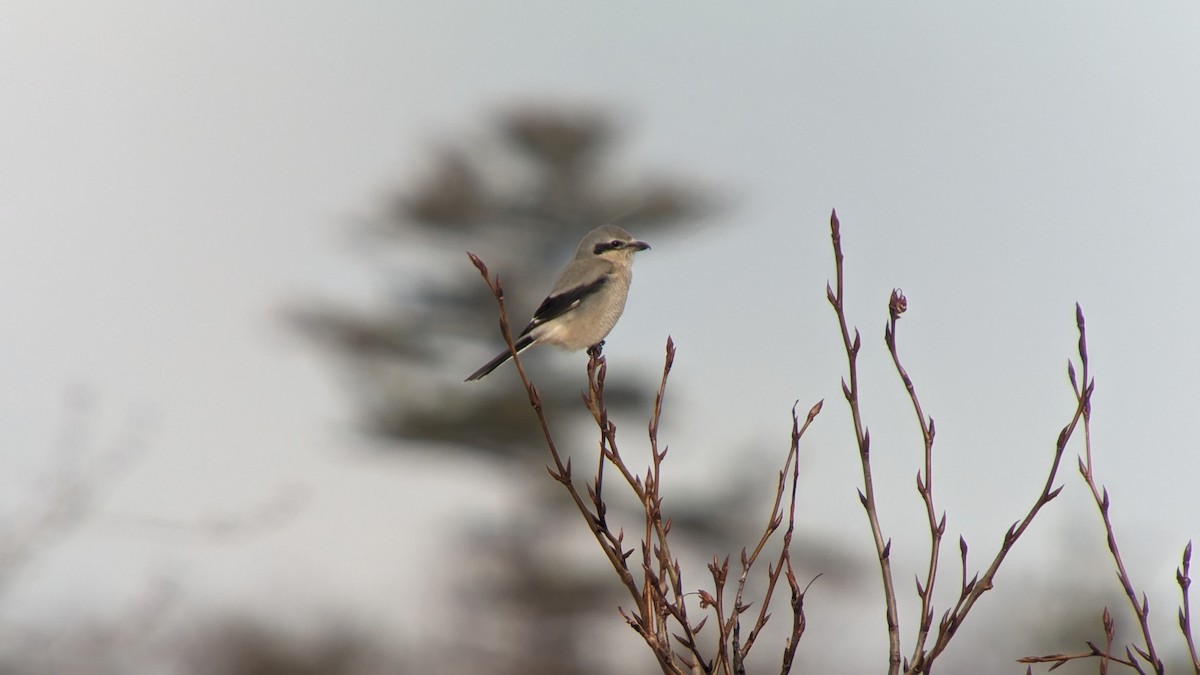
[1100, 495]
[667, 576]
[1110, 630]
[1083, 388]
[783, 562]
[1060, 660]
[863, 438]
[1104, 655]
[897, 304]
[785, 554]
[1182, 576]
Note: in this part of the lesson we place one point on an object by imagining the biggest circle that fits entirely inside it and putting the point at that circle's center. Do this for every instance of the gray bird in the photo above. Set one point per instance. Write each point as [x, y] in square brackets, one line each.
[587, 299]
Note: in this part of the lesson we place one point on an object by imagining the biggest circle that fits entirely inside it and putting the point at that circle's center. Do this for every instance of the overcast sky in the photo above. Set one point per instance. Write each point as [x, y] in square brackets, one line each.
[174, 176]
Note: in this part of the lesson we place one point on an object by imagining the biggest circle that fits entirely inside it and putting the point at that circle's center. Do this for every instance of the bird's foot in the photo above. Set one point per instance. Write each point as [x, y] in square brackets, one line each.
[595, 350]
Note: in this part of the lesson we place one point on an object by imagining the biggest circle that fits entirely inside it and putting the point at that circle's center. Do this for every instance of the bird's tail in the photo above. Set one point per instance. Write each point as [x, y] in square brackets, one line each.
[524, 342]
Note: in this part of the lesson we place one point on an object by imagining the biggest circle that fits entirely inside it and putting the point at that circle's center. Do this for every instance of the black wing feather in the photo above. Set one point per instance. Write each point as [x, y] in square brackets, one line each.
[555, 306]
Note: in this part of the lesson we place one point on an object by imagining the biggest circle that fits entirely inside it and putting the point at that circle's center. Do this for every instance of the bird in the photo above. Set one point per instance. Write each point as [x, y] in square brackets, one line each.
[587, 299]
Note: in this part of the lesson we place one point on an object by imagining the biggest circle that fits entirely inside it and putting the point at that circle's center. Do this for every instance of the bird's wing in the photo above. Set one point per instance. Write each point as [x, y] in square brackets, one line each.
[558, 304]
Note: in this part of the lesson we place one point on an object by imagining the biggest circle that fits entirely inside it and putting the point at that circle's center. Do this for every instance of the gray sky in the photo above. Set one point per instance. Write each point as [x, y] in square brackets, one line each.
[176, 175]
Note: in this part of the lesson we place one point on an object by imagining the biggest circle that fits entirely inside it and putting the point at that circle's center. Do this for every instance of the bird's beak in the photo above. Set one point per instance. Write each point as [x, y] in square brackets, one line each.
[639, 245]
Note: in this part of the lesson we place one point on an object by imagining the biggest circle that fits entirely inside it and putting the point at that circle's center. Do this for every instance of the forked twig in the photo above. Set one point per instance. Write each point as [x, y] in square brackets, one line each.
[1100, 495]
[1083, 388]
[783, 563]
[1104, 655]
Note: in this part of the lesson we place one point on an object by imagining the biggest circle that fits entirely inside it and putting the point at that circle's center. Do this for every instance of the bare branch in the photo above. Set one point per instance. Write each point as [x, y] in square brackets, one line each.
[862, 436]
[1083, 392]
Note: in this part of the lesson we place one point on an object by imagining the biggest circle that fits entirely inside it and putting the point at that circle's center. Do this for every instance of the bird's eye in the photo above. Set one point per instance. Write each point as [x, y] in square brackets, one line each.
[617, 244]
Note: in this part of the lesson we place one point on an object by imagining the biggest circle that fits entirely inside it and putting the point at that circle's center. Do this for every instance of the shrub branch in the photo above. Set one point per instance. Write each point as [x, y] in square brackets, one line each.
[969, 590]
[862, 436]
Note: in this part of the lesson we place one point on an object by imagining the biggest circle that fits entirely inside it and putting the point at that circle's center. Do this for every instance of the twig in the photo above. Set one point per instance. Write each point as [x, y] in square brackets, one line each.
[1185, 610]
[1060, 660]
[783, 562]
[1105, 656]
[785, 555]
[863, 437]
[1100, 495]
[897, 304]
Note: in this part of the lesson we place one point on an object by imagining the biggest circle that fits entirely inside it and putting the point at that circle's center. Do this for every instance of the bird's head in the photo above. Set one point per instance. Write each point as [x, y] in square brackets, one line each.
[610, 242]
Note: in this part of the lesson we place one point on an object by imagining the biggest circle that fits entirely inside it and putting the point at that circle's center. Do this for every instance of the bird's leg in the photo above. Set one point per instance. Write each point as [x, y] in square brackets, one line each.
[595, 350]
